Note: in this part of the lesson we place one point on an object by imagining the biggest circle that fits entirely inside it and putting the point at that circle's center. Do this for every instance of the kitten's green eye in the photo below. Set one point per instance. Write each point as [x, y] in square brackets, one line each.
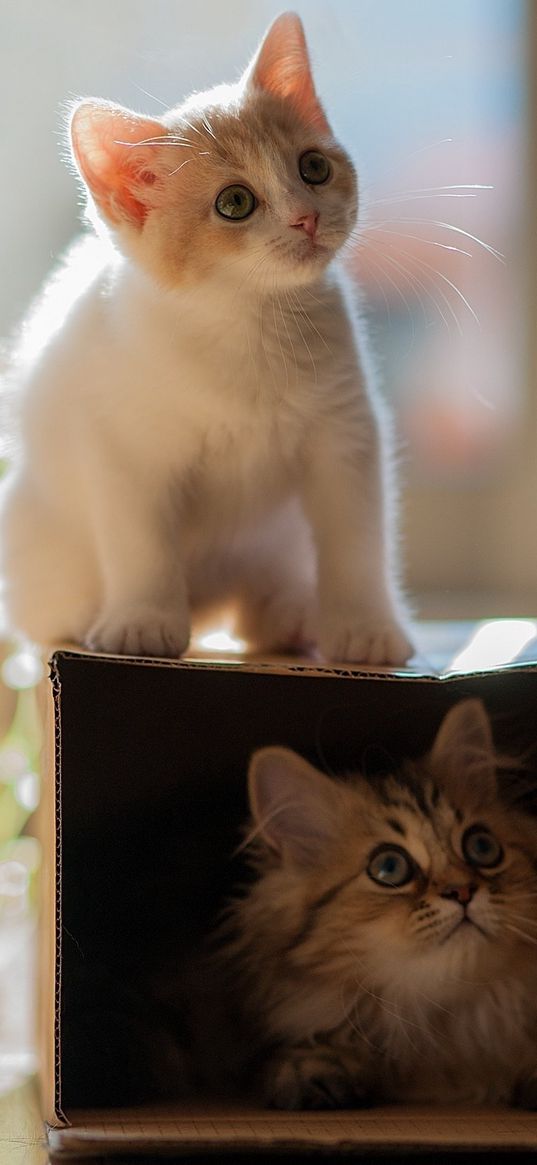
[390, 866]
[314, 168]
[480, 847]
[235, 202]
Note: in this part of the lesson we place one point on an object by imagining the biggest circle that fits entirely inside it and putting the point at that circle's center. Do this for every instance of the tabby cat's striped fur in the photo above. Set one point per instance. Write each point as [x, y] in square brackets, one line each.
[359, 989]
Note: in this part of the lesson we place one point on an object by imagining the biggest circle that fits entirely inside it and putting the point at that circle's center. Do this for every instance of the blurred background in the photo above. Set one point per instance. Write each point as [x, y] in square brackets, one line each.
[434, 103]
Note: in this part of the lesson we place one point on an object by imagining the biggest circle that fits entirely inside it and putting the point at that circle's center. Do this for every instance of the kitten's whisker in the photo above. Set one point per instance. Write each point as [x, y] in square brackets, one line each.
[307, 291]
[294, 314]
[307, 320]
[207, 125]
[435, 1003]
[260, 827]
[521, 933]
[378, 282]
[414, 290]
[428, 267]
[382, 229]
[458, 231]
[415, 283]
[276, 299]
[416, 153]
[393, 284]
[151, 95]
[194, 128]
[351, 1015]
[391, 1008]
[289, 339]
[429, 293]
[158, 141]
[181, 167]
[462, 190]
[510, 914]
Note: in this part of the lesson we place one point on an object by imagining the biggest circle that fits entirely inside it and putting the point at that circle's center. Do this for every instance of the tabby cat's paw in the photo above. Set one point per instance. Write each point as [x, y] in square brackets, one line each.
[359, 638]
[140, 630]
[309, 1079]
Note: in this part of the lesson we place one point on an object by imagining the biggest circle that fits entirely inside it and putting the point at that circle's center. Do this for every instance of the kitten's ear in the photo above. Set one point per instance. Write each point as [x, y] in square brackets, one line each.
[118, 155]
[463, 752]
[282, 67]
[293, 804]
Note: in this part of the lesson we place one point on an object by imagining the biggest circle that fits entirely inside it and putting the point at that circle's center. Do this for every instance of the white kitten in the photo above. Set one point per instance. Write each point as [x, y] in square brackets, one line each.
[197, 428]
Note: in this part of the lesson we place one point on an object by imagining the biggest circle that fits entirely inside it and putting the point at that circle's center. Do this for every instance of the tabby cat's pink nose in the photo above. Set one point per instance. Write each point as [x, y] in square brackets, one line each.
[307, 223]
[462, 894]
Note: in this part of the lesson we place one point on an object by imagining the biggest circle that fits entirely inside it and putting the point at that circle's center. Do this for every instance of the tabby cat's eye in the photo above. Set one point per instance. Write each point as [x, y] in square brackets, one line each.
[480, 847]
[389, 865]
[235, 202]
[314, 168]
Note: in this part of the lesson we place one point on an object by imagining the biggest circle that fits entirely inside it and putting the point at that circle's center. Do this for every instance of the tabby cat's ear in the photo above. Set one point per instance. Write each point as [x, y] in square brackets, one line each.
[463, 753]
[282, 68]
[294, 805]
[120, 157]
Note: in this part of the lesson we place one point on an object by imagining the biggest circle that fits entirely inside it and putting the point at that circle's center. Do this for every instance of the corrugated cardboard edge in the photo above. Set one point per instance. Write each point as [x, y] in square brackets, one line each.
[250, 664]
[361, 1132]
[49, 982]
[284, 666]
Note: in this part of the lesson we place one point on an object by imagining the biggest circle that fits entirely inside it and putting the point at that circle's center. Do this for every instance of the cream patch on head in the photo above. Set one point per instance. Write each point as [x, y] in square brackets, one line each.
[163, 185]
[292, 228]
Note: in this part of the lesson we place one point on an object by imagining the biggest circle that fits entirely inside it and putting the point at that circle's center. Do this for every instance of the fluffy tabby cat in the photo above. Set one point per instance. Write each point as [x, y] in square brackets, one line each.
[388, 948]
[197, 423]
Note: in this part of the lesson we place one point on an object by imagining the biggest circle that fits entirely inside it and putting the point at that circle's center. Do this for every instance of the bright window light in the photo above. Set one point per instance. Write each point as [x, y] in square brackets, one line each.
[221, 640]
[22, 670]
[495, 642]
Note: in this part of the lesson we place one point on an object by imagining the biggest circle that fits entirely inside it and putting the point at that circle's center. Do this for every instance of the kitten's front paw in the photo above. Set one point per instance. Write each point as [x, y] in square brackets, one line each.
[140, 630]
[311, 1079]
[355, 636]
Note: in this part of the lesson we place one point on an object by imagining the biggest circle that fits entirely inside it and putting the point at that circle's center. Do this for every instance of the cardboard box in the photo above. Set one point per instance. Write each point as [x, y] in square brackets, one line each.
[147, 765]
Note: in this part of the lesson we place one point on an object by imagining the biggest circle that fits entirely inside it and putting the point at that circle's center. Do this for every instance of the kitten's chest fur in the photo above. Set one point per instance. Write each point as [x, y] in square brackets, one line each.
[470, 1051]
[221, 394]
[225, 371]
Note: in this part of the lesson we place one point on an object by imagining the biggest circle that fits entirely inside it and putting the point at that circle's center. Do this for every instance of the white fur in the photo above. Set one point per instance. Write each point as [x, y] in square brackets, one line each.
[206, 442]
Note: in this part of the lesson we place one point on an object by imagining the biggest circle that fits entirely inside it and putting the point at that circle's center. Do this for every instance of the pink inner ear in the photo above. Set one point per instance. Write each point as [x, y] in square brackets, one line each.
[282, 68]
[114, 152]
[292, 802]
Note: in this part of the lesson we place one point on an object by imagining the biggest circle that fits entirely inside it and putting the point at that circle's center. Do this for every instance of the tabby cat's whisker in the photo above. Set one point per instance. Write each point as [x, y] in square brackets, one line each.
[516, 930]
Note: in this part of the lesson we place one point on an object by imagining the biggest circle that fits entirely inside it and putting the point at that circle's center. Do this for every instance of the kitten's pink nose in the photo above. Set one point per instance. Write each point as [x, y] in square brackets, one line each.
[307, 223]
[462, 894]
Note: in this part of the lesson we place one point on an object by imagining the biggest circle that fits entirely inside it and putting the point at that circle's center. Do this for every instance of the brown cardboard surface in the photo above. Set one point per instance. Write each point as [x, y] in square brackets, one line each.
[202, 1128]
[149, 745]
